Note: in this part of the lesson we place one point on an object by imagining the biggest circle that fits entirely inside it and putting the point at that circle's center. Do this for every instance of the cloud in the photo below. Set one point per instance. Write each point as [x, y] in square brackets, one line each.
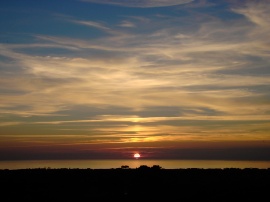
[126, 23]
[257, 12]
[141, 3]
[141, 70]
[213, 74]
[92, 24]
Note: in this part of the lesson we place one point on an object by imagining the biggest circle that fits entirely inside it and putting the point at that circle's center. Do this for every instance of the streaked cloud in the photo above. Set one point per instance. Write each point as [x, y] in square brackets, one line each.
[154, 78]
[92, 24]
[141, 3]
[126, 23]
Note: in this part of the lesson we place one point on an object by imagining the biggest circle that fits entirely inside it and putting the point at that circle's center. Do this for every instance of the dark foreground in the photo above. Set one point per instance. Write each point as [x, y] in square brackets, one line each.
[135, 185]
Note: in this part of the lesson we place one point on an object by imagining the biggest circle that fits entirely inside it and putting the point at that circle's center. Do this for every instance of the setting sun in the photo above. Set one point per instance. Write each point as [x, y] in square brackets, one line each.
[137, 155]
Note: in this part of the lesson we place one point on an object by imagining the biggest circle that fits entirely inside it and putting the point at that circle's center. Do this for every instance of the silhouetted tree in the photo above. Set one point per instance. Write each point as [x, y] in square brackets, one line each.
[143, 167]
[156, 167]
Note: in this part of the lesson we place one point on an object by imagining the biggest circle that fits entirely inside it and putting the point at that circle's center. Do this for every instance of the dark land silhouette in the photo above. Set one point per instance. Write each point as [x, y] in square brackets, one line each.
[140, 184]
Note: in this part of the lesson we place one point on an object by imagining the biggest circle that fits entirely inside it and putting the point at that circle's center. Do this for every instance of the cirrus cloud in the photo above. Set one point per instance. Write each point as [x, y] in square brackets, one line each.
[141, 3]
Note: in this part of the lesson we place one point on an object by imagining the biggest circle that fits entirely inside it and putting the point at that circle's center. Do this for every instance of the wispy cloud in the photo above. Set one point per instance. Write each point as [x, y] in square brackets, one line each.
[217, 71]
[126, 23]
[141, 3]
[91, 24]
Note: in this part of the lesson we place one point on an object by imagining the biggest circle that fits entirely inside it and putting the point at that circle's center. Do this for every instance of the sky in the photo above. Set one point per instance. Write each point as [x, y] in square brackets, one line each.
[104, 79]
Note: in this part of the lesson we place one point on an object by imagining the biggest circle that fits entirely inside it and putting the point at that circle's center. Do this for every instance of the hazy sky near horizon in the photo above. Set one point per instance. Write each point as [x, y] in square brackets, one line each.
[107, 78]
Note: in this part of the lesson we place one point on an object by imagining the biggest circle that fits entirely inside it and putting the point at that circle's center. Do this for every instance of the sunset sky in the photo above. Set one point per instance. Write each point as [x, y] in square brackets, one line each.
[104, 79]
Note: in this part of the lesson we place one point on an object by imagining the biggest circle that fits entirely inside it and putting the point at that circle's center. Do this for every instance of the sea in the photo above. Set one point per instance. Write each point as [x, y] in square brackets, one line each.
[132, 163]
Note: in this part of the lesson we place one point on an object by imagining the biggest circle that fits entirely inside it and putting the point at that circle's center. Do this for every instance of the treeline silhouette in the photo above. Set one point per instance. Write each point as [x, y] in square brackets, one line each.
[140, 184]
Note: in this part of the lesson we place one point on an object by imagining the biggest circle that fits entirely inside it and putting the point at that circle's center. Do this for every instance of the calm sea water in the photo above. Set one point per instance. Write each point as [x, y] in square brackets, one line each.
[134, 163]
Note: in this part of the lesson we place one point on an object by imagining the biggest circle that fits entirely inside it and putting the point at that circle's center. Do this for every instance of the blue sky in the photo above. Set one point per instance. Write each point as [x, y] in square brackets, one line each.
[106, 79]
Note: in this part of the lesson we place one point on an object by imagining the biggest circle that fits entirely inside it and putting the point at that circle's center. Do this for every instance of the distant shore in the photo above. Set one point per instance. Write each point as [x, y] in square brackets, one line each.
[133, 163]
[141, 184]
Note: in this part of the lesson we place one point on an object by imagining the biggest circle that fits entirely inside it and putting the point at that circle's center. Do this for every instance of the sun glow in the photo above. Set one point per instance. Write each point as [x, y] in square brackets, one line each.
[137, 155]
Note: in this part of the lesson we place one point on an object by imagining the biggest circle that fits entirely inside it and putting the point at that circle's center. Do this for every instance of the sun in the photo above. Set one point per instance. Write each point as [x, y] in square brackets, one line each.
[137, 155]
